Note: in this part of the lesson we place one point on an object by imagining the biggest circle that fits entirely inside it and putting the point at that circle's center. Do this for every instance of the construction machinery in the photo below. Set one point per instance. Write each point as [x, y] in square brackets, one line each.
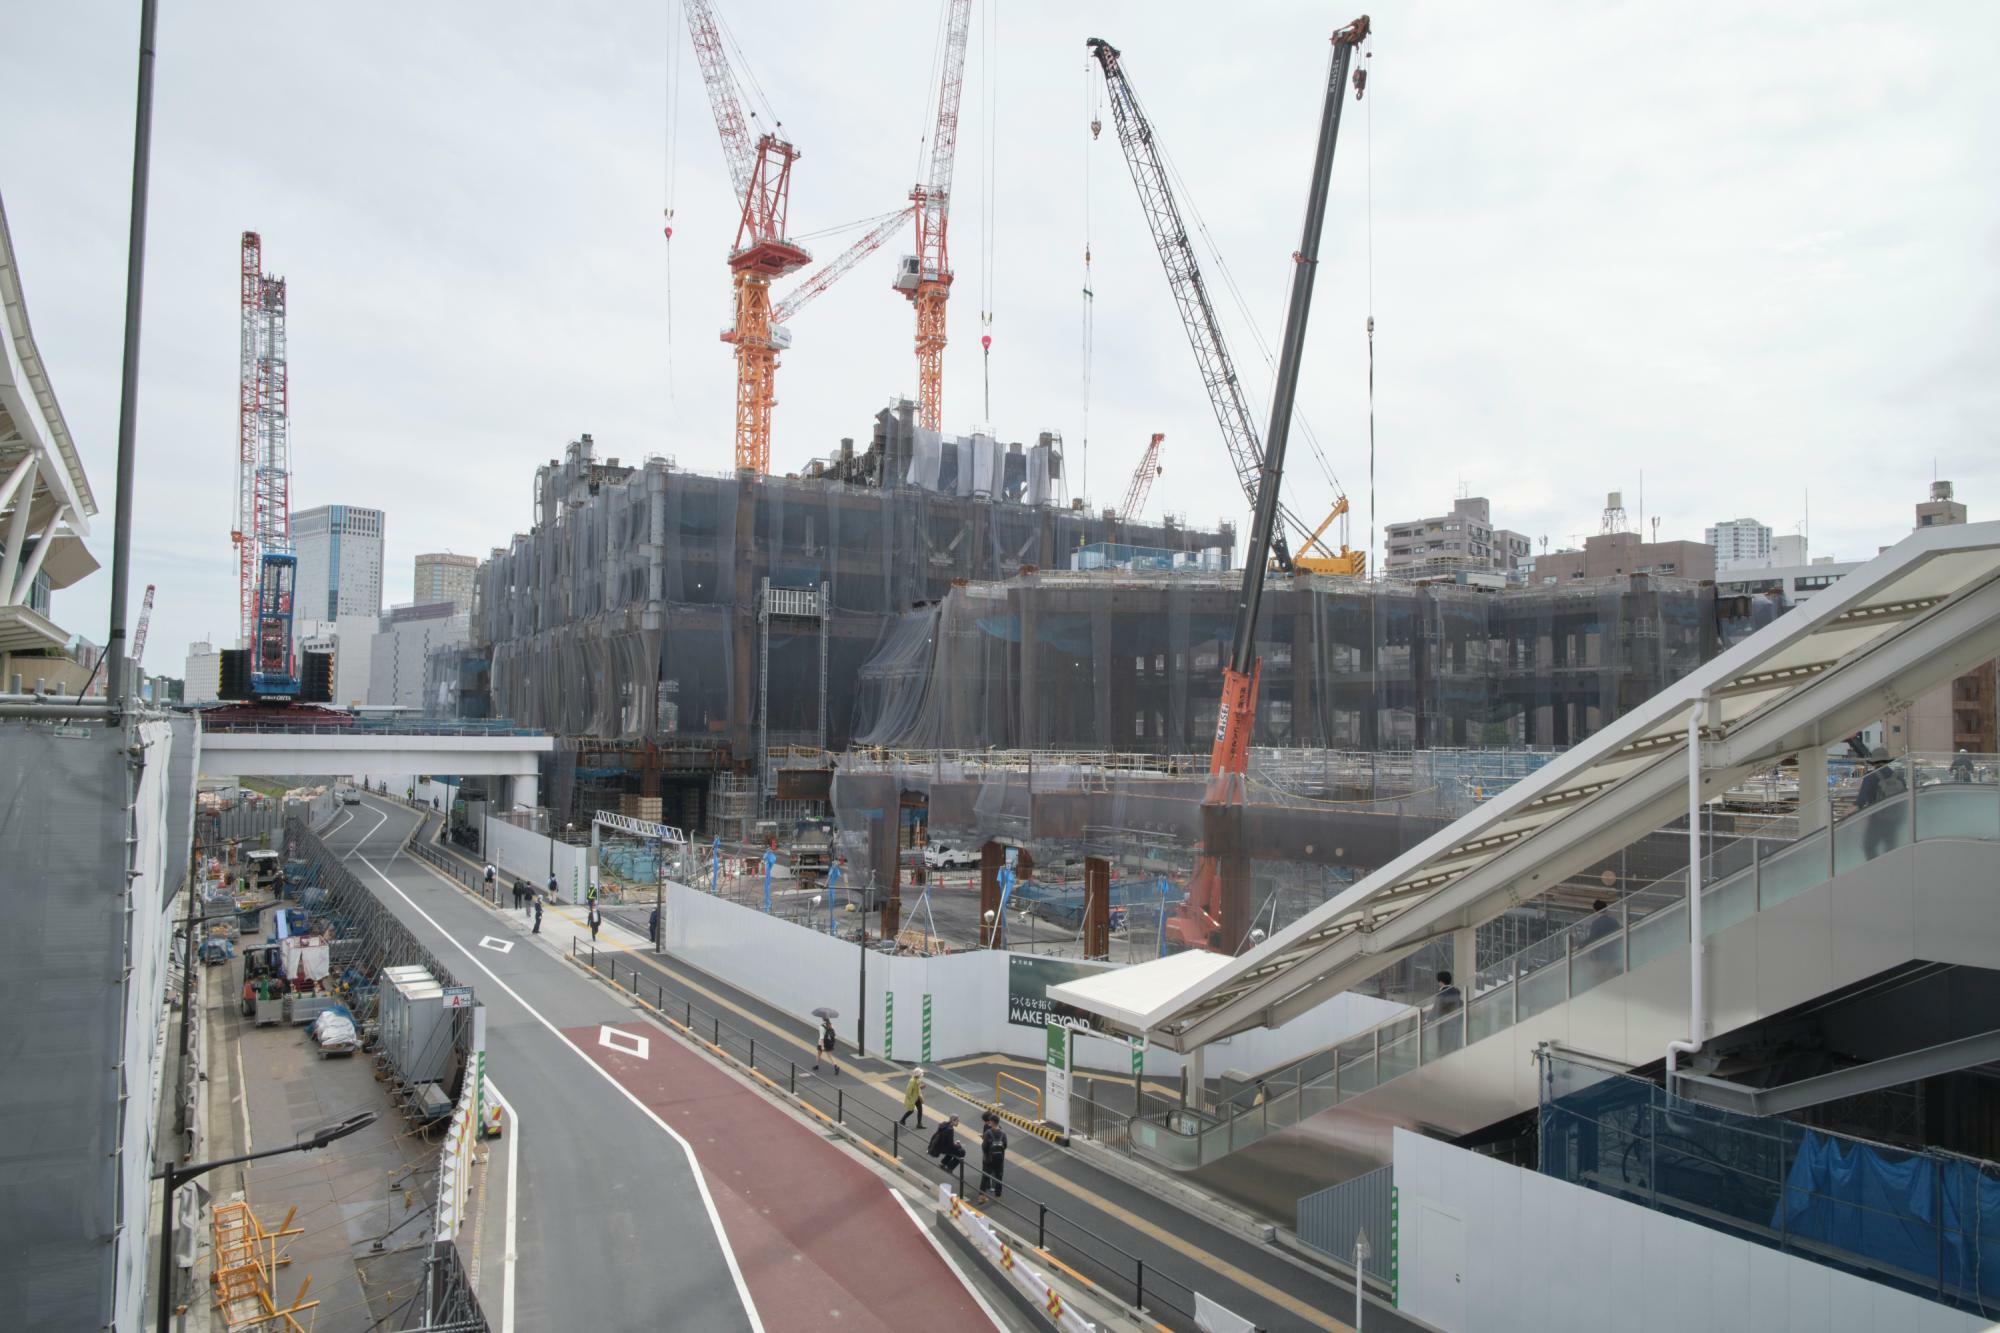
[1142, 480]
[761, 171]
[270, 670]
[263, 523]
[1204, 919]
[1346, 562]
[1174, 241]
[925, 277]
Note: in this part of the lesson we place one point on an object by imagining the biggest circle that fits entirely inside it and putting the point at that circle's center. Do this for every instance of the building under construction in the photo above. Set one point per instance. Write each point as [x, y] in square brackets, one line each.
[916, 593]
[671, 626]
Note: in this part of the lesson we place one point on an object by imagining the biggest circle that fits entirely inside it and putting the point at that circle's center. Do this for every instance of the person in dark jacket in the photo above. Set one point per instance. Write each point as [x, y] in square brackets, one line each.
[825, 1044]
[1883, 782]
[992, 1158]
[653, 926]
[944, 1146]
[538, 916]
[595, 921]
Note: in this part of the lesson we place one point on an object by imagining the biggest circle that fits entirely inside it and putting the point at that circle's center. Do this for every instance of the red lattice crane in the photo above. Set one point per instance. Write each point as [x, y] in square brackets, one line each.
[1142, 480]
[263, 523]
[762, 174]
[925, 277]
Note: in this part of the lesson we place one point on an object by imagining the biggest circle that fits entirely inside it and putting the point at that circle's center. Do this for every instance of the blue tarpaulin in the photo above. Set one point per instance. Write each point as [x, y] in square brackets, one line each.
[1934, 1218]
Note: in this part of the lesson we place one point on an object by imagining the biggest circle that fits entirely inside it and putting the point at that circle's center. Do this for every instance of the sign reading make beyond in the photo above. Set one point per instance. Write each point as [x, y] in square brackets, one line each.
[1028, 982]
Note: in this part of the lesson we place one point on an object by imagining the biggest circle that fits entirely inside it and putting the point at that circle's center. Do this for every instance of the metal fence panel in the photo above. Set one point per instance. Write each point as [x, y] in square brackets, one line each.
[1329, 1218]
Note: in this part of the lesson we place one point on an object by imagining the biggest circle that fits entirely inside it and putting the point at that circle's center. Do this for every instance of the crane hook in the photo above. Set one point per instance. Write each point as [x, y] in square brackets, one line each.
[1096, 126]
[1360, 83]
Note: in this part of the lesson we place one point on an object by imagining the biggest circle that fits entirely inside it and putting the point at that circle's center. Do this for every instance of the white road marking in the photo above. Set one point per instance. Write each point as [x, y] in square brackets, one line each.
[700, 1180]
[956, 1271]
[615, 1039]
[513, 1198]
[496, 945]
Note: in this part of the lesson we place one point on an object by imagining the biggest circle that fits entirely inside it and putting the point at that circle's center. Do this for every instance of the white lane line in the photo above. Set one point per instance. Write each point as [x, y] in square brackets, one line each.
[358, 842]
[345, 815]
[956, 1271]
[694, 1163]
[513, 1197]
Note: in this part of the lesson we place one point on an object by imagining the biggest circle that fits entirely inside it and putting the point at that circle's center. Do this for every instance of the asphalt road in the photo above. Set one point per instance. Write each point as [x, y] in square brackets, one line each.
[615, 1227]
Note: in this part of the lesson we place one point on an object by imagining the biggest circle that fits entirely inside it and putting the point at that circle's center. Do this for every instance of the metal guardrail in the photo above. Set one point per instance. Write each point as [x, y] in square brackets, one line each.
[1328, 1220]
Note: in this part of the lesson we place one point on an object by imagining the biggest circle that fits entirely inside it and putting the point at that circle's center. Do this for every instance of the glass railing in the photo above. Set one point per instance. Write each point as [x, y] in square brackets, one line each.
[1914, 799]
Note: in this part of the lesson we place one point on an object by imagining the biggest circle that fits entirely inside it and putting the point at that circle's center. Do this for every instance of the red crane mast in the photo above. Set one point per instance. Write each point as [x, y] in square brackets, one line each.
[925, 277]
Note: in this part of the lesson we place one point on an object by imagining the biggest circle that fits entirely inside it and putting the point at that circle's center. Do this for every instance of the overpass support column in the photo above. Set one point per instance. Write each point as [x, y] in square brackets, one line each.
[1464, 960]
[524, 789]
[1812, 788]
[1194, 1078]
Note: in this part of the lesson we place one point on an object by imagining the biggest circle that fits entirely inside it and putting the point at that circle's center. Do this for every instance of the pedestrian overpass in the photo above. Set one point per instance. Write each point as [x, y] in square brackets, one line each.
[1828, 903]
[274, 747]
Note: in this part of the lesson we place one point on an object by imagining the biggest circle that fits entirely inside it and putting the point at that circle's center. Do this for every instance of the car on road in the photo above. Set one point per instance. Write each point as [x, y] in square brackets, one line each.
[944, 856]
[348, 796]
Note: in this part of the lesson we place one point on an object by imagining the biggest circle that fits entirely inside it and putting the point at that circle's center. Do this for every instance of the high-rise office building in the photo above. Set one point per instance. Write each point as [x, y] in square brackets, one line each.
[446, 578]
[340, 561]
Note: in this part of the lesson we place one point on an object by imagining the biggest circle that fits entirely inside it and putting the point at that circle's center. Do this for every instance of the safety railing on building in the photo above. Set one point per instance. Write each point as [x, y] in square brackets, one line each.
[1076, 1242]
[1924, 1221]
[1917, 798]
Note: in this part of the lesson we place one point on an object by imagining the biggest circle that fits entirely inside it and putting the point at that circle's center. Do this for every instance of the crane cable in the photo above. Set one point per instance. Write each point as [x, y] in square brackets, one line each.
[989, 117]
[1089, 297]
[673, 125]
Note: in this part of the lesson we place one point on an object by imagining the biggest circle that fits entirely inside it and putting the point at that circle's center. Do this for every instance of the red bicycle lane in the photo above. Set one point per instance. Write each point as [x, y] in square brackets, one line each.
[822, 1241]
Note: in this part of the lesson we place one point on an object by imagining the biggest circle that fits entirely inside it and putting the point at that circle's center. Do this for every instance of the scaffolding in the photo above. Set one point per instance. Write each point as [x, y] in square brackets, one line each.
[790, 607]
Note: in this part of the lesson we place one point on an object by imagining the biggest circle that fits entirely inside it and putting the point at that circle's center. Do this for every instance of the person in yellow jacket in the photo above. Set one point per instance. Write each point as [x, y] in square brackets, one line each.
[913, 1097]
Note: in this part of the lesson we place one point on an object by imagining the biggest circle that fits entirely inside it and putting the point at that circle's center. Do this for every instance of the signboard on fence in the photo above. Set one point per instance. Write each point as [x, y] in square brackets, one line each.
[1055, 1100]
[1028, 982]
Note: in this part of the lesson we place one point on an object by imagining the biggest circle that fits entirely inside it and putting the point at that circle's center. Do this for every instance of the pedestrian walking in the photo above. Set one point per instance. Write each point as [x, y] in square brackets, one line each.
[826, 1045]
[944, 1146]
[992, 1158]
[653, 926]
[1449, 997]
[555, 889]
[491, 876]
[595, 921]
[913, 1098]
[1961, 766]
[527, 896]
[538, 916]
[1880, 784]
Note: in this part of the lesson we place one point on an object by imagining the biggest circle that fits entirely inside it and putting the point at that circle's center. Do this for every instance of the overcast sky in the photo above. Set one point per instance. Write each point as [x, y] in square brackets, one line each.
[1749, 251]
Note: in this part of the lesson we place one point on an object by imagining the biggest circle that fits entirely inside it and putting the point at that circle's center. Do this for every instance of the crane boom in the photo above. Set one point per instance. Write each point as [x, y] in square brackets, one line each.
[1142, 480]
[926, 277]
[762, 173]
[724, 98]
[1184, 278]
[1200, 919]
[836, 268]
[145, 623]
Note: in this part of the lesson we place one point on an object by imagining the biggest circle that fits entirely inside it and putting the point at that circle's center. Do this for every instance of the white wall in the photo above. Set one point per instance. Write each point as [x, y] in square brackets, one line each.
[800, 970]
[523, 852]
[1491, 1247]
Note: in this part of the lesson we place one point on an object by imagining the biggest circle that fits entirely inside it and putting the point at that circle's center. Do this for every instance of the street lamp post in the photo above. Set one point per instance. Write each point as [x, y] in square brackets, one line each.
[176, 1176]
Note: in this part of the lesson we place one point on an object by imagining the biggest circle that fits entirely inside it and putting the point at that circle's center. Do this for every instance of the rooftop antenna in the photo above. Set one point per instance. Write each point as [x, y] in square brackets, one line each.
[1656, 530]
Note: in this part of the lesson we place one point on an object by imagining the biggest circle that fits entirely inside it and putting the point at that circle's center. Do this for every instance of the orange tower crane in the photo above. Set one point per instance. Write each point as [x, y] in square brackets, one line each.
[925, 277]
[762, 174]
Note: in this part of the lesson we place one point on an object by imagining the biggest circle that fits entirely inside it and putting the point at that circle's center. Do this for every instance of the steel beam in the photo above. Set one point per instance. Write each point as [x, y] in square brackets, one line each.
[1889, 1072]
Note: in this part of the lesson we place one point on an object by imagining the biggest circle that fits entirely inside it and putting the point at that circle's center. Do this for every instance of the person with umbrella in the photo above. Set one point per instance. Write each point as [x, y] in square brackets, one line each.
[824, 1043]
